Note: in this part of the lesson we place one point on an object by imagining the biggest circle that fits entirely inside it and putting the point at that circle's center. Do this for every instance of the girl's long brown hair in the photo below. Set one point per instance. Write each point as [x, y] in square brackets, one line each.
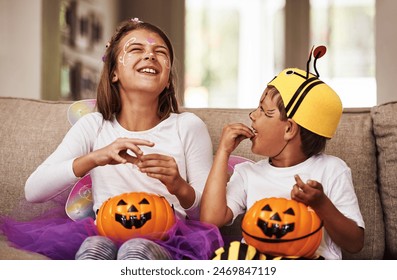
[108, 95]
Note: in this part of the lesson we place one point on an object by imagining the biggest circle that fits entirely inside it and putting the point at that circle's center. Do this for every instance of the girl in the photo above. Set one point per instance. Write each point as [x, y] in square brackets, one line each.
[137, 141]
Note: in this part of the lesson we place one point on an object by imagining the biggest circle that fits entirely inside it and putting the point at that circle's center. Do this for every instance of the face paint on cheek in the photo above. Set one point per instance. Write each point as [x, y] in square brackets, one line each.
[167, 64]
[124, 58]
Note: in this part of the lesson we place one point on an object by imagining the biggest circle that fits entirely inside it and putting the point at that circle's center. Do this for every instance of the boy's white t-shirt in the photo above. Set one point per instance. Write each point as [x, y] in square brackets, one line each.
[253, 181]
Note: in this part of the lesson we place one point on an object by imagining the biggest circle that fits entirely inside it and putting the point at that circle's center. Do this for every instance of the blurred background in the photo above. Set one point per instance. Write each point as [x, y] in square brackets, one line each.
[226, 50]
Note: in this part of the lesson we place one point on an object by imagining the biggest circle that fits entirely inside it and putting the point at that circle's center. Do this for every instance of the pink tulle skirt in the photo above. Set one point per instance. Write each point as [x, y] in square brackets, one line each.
[59, 237]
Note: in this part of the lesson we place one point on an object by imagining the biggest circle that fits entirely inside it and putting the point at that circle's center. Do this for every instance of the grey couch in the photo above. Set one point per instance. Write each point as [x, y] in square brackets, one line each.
[366, 139]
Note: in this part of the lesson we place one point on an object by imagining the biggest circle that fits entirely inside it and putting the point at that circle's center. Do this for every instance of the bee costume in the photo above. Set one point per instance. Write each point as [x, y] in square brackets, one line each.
[313, 105]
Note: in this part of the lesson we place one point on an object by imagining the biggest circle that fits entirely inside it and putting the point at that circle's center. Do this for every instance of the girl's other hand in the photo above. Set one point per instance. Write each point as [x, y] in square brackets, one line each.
[117, 152]
[163, 168]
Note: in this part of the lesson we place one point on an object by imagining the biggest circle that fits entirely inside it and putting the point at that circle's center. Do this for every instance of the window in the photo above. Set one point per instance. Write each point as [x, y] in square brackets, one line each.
[232, 51]
[233, 48]
[346, 27]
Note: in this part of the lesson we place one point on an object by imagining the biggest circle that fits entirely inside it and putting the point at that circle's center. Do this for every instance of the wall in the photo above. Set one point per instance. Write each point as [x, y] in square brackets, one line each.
[20, 48]
[386, 46]
[297, 31]
[30, 46]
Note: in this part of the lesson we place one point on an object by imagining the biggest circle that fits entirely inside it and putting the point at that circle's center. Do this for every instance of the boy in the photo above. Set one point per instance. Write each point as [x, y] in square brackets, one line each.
[297, 113]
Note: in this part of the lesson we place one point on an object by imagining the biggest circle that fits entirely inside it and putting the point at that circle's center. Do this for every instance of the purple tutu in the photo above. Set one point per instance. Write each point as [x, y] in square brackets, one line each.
[59, 237]
[192, 240]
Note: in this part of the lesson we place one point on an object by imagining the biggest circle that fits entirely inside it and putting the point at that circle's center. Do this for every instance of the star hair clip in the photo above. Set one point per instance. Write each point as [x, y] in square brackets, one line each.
[136, 20]
[104, 56]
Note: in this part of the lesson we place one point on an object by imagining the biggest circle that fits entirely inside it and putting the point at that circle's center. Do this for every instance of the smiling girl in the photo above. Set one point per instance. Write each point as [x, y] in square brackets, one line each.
[137, 141]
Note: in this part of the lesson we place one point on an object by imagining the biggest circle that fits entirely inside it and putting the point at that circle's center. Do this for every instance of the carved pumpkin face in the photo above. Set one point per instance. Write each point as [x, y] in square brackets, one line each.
[135, 214]
[282, 227]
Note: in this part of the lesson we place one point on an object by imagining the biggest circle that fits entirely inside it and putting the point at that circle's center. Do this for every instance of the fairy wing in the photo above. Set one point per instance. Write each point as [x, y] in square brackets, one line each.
[80, 108]
[79, 202]
[233, 160]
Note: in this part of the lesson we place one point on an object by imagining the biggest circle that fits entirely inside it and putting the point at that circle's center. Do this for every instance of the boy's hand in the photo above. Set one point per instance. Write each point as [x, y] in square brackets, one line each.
[232, 135]
[310, 193]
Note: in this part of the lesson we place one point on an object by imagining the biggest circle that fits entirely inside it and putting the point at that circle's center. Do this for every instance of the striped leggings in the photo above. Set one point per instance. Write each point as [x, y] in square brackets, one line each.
[102, 248]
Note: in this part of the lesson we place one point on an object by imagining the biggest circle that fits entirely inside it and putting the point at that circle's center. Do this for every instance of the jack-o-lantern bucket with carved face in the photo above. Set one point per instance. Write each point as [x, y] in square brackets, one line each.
[135, 214]
[282, 227]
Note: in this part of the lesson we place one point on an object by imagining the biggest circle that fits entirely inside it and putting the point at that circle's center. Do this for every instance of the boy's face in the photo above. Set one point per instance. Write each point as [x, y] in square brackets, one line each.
[268, 128]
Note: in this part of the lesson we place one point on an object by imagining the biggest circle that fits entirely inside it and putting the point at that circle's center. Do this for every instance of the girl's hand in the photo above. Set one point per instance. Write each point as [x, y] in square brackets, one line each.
[232, 135]
[116, 152]
[163, 168]
[310, 193]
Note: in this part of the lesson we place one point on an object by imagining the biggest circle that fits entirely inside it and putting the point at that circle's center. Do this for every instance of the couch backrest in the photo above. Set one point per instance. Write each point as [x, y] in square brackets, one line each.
[385, 131]
[354, 142]
[30, 132]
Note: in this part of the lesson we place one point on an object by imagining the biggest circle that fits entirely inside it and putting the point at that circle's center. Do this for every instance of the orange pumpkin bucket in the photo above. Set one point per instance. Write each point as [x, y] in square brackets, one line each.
[135, 214]
[282, 227]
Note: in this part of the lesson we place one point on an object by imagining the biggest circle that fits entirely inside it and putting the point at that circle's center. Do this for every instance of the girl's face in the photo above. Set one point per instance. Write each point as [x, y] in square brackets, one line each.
[268, 128]
[143, 62]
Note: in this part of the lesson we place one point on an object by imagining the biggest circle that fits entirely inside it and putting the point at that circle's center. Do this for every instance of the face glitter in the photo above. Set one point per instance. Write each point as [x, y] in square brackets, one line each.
[151, 41]
[122, 58]
[144, 48]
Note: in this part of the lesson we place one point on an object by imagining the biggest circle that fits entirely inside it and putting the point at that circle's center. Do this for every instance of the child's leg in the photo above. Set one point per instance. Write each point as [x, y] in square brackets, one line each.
[97, 248]
[142, 249]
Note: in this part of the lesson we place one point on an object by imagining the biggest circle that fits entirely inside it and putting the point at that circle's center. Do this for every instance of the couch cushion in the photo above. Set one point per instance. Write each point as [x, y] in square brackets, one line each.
[10, 253]
[355, 144]
[30, 131]
[385, 129]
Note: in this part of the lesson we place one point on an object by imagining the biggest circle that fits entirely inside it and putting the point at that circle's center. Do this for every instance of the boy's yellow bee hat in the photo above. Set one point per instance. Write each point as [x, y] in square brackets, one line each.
[309, 101]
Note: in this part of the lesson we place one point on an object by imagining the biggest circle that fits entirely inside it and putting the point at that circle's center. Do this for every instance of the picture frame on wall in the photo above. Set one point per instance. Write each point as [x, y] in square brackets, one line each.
[79, 81]
[83, 23]
[68, 22]
[88, 82]
[82, 31]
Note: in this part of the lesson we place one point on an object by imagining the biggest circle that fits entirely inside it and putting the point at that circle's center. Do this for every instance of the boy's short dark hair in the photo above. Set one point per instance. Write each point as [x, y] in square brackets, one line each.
[312, 143]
